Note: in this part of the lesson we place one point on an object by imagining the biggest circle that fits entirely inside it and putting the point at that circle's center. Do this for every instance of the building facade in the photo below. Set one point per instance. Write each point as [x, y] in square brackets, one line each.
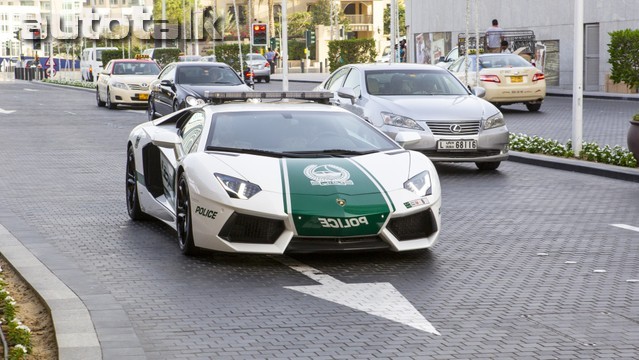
[552, 21]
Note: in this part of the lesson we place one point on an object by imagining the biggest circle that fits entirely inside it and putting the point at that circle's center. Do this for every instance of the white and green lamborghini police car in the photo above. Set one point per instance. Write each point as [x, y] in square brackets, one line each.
[281, 176]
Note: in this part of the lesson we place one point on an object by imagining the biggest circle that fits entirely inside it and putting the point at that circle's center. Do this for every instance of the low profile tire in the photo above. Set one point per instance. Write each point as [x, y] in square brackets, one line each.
[183, 224]
[533, 107]
[150, 111]
[109, 104]
[97, 98]
[490, 165]
[132, 199]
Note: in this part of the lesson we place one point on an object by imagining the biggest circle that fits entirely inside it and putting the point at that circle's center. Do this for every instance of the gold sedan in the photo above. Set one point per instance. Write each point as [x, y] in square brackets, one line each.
[507, 79]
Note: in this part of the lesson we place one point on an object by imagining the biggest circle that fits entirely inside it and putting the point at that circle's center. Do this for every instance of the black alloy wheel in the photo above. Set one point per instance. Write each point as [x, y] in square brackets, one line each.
[97, 97]
[132, 200]
[183, 218]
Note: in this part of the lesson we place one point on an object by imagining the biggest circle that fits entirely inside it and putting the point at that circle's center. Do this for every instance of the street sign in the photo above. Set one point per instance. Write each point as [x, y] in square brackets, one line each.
[49, 62]
[51, 72]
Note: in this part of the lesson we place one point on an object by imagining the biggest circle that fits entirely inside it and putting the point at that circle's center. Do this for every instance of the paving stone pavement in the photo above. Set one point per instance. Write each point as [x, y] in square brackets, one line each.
[513, 275]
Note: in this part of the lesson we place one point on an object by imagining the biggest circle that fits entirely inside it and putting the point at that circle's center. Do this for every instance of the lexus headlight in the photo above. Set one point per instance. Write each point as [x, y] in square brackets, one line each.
[401, 121]
[237, 188]
[420, 184]
[119, 85]
[193, 101]
[494, 121]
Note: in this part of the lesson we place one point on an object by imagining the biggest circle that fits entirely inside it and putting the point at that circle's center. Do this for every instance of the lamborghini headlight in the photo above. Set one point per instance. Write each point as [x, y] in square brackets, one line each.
[193, 101]
[494, 121]
[237, 188]
[119, 85]
[401, 121]
[420, 184]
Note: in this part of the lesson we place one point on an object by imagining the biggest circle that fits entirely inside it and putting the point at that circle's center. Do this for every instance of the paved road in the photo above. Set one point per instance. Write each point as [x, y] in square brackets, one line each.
[529, 264]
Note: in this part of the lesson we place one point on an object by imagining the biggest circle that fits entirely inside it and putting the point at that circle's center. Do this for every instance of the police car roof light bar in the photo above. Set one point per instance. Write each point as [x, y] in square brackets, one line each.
[318, 96]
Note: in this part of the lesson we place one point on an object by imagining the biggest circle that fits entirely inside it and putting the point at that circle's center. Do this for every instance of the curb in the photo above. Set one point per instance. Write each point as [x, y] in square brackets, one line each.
[575, 165]
[75, 334]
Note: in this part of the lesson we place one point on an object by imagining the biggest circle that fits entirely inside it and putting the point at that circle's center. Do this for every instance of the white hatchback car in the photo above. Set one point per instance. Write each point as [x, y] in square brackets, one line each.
[125, 81]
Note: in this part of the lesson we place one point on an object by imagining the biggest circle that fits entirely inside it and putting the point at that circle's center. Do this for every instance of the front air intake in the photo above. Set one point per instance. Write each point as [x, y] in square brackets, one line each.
[250, 229]
[416, 226]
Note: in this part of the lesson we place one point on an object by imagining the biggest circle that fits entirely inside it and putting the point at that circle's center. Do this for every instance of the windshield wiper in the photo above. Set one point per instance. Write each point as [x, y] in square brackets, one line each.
[245, 151]
[332, 152]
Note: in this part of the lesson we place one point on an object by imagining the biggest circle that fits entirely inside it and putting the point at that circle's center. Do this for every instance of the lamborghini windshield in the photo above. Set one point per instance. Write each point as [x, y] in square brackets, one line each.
[295, 132]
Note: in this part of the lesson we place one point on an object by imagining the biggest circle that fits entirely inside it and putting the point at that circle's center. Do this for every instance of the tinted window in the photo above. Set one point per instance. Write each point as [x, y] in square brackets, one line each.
[206, 74]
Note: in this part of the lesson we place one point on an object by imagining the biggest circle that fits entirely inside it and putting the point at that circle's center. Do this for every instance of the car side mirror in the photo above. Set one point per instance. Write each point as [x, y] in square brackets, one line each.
[166, 82]
[405, 138]
[479, 91]
[348, 93]
[442, 59]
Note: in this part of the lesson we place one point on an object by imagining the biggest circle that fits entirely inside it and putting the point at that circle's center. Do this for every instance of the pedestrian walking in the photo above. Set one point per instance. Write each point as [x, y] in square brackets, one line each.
[494, 36]
[270, 57]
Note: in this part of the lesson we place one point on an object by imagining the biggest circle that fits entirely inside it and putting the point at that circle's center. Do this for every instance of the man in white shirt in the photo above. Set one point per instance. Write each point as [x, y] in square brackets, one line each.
[494, 37]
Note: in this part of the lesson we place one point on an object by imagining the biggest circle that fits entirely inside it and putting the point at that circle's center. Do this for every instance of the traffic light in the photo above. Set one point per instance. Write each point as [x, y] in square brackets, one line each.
[275, 43]
[36, 39]
[310, 37]
[259, 31]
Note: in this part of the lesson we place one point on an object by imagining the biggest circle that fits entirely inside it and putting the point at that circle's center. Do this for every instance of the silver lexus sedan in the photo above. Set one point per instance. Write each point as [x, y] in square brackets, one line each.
[455, 124]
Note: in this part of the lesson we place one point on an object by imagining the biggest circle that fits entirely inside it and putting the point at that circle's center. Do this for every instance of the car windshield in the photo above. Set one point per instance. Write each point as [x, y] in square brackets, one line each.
[136, 68]
[207, 74]
[296, 133]
[413, 82]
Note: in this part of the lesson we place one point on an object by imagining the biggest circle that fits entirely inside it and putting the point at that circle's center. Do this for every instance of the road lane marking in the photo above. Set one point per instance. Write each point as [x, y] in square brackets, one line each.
[30, 89]
[69, 112]
[3, 111]
[379, 299]
[627, 227]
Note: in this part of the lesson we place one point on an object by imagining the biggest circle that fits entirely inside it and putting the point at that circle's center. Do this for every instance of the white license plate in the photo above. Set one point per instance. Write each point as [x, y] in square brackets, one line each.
[457, 145]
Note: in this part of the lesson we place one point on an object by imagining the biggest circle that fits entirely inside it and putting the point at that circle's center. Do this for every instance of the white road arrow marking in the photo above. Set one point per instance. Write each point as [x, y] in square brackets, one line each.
[3, 111]
[627, 227]
[380, 299]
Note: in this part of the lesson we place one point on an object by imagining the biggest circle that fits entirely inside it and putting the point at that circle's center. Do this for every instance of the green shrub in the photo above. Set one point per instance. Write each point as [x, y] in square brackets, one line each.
[165, 56]
[343, 52]
[228, 53]
[624, 57]
[108, 55]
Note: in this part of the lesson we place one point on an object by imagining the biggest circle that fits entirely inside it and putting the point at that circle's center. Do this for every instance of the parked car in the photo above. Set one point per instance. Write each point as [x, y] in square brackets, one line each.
[455, 124]
[446, 61]
[91, 62]
[283, 177]
[182, 58]
[182, 84]
[260, 67]
[507, 78]
[210, 58]
[125, 81]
